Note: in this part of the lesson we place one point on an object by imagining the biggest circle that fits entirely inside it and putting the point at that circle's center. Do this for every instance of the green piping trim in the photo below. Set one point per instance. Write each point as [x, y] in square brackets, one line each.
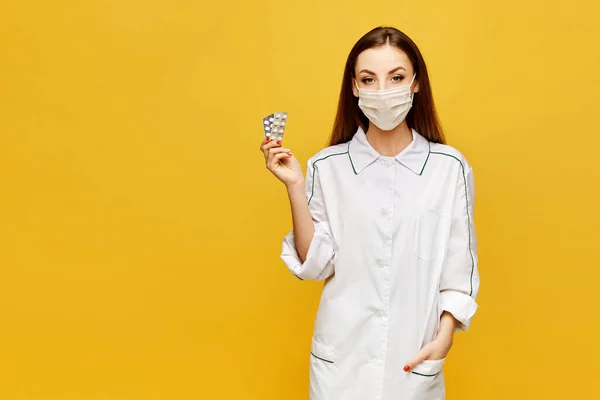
[312, 190]
[351, 163]
[427, 159]
[416, 373]
[468, 216]
[322, 359]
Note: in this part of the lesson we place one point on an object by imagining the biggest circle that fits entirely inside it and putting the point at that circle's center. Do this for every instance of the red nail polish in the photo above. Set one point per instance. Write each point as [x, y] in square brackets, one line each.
[278, 142]
[268, 138]
[406, 368]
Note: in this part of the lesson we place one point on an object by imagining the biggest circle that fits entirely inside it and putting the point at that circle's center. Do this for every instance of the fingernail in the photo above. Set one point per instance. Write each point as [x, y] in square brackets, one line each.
[289, 154]
[278, 142]
[268, 138]
[406, 368]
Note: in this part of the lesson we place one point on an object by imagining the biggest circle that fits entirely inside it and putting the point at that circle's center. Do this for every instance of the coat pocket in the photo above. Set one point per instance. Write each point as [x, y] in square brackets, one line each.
[429, 367]
[430, 235]
[322, 370]
[427, 381]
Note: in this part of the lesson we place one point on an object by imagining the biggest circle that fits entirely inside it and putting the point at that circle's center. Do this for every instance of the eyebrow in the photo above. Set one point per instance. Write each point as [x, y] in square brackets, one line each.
[389, 73]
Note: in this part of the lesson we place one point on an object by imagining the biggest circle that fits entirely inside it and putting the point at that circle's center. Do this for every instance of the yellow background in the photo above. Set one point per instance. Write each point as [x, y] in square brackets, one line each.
[140, 232]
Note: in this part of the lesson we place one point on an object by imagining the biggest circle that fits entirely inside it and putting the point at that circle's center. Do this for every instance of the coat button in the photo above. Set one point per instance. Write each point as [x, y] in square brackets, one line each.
[384, 212]
[380, 263]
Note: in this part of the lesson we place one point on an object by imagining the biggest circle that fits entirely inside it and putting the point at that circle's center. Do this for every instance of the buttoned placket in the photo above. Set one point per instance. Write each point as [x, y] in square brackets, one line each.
[382, 263]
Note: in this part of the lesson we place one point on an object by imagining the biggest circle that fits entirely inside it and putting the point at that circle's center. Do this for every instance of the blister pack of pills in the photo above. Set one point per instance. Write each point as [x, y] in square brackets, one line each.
[274, 125]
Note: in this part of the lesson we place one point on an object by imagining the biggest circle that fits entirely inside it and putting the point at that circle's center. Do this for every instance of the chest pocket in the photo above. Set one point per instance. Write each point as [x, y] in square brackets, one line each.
[430, 235]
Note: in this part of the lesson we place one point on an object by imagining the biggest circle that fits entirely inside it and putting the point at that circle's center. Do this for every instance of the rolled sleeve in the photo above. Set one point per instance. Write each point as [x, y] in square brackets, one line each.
[461, 306]
[459, 285]
[320, 258]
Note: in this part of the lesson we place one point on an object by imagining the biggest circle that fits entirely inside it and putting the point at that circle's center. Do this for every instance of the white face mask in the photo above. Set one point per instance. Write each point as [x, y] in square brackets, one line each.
[386, 108]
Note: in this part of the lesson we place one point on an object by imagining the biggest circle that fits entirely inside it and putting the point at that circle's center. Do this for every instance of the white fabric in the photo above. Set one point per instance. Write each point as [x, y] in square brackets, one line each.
[395, 244]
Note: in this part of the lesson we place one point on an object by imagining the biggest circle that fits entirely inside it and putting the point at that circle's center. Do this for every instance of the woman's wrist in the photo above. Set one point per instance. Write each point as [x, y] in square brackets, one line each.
[297, 186]
[447, 326]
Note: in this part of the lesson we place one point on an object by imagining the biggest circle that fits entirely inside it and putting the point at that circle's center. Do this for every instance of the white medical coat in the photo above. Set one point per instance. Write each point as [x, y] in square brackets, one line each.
[395, 243]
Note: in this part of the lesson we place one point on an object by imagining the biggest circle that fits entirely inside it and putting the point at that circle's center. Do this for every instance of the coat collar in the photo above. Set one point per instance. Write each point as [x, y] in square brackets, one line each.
[414, 156]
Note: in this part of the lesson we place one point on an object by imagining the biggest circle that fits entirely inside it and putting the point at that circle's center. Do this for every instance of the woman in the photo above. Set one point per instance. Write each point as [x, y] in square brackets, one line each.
[385, 218]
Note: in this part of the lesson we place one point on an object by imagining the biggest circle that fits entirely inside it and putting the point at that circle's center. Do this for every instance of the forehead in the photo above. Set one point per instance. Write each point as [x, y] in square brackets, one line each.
[382, 59]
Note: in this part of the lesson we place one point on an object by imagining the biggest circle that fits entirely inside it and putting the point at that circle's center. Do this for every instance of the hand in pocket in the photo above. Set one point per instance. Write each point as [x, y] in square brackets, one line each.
[435, 350]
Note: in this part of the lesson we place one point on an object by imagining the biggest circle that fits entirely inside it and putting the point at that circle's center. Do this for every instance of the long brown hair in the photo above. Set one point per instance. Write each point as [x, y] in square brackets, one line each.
[422, 116]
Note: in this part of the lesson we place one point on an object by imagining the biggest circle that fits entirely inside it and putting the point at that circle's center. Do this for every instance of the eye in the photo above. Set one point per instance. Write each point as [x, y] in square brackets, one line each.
[367, 80]
[397, 78]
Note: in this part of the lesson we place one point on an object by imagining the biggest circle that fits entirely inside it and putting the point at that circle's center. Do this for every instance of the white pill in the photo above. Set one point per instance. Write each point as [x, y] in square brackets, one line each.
[276, 115]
